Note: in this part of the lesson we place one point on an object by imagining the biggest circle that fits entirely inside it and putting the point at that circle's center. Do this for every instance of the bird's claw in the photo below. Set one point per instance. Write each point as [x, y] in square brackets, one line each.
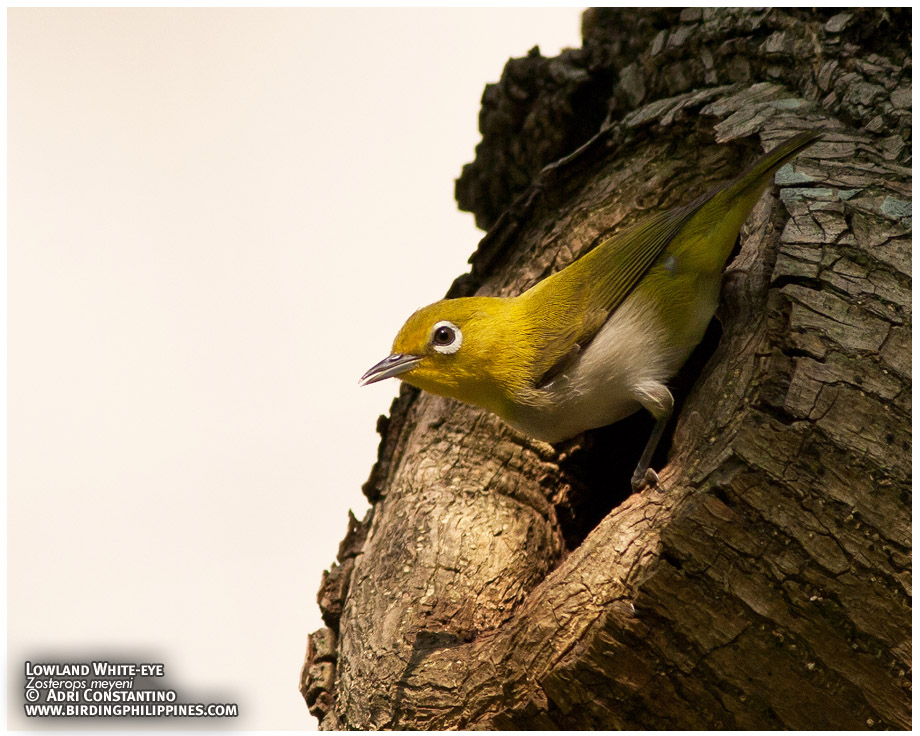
[648, 478]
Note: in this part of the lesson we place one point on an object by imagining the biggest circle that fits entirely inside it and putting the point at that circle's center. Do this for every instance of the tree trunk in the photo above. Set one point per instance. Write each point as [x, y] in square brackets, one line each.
[498, 582]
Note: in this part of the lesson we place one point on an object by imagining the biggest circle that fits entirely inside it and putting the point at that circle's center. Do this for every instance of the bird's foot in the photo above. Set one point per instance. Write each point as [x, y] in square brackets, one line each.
[641, 480]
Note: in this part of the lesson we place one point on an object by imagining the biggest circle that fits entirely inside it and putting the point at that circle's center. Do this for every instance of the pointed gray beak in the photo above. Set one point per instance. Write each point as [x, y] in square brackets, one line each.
[390, 366]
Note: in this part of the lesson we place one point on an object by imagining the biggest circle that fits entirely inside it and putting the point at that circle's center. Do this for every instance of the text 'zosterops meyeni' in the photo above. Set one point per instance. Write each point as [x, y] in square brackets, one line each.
[598, 340]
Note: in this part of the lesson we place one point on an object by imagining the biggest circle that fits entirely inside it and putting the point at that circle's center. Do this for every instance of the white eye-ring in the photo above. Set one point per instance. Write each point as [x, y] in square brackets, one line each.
[446, 338]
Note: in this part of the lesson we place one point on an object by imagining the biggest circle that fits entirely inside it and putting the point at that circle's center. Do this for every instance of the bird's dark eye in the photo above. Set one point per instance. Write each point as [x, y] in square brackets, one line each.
[446, 338]
[443, 336]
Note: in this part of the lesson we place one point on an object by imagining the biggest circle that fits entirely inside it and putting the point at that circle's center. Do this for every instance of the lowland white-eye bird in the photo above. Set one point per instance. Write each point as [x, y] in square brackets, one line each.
[598, 340]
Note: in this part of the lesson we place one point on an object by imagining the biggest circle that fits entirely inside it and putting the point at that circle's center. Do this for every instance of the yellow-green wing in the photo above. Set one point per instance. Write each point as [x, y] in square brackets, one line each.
[575, 303]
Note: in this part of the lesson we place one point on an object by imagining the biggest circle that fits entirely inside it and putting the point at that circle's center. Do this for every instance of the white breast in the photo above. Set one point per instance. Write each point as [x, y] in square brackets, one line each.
[603, 384]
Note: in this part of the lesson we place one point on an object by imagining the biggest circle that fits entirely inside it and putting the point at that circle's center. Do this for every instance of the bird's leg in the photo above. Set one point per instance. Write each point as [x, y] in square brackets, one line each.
[657, 400]
[643, 475]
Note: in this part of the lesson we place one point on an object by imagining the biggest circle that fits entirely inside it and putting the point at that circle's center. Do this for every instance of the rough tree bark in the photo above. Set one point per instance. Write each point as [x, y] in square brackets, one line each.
[499, 583]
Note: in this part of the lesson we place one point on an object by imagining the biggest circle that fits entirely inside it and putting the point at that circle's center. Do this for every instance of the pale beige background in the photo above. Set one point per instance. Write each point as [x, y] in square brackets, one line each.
[217, 221]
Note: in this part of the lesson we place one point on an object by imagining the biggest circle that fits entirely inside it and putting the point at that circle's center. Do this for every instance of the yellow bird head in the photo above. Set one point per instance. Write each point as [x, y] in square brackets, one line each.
[462, 348]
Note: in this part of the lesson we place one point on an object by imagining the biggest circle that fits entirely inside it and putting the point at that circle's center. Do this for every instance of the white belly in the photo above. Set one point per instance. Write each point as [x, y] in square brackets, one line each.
[631, 352]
